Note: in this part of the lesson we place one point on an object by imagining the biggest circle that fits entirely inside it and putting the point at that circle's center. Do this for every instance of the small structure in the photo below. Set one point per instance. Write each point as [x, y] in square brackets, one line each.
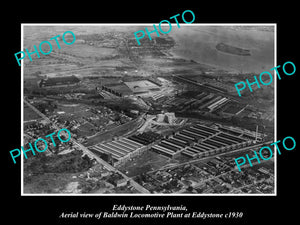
[121, 182]
[170, 118]
[166, 118]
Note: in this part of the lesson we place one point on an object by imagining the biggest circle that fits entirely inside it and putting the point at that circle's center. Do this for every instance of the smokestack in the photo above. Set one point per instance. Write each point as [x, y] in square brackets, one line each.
[256, 133]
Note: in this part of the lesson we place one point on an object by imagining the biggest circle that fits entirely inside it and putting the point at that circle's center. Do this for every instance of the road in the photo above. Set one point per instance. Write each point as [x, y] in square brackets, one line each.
[201, 159]
[199, 84]
[131, 57]
[146, 124]
[202, 182]
[86, 151]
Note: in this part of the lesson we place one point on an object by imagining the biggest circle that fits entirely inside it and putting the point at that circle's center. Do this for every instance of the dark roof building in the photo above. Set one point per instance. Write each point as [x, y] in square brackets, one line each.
[54, 81]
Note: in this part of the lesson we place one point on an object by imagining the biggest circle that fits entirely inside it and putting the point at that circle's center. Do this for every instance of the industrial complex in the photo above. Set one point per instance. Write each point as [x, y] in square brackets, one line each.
[145, 119]
[125, 89]
[200, 141]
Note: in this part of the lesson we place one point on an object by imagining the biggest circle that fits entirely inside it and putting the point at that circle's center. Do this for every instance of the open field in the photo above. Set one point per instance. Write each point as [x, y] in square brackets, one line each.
[75, 109]
[86, 129]
[50, 67]
[29, 114]
[144, 163]
[48, 182]
[87, 51]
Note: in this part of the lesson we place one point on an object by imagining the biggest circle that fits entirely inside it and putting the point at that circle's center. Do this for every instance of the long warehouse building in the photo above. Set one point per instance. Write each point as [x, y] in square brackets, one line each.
[199, 141]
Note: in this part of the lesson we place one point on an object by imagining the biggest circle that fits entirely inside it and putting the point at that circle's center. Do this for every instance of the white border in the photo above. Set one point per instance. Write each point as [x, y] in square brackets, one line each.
[147, 24]
[275, 109]
[22, 110]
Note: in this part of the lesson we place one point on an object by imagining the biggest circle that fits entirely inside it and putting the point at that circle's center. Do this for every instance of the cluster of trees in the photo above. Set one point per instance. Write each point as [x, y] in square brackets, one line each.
[72, 162]
[141, 178]
[113, 178]
[170, 185]
[72, 165]
[91, 185]
[50, 106]
[123, 106]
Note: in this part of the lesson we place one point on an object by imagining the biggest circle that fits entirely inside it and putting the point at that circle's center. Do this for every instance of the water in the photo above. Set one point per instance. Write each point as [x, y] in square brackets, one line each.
[198, 43]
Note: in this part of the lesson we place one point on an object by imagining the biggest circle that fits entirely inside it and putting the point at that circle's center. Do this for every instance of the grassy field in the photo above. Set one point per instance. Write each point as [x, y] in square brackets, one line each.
[48, 183]
[78, 111]
[29, 114]
[84, 50]
[86, 129]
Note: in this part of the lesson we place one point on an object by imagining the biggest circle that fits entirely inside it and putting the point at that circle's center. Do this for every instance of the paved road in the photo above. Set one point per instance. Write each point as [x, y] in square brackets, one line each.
[137, 186]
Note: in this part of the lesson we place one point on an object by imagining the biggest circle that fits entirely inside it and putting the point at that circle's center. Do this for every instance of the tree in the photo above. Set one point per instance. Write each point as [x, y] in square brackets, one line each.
[190, 189]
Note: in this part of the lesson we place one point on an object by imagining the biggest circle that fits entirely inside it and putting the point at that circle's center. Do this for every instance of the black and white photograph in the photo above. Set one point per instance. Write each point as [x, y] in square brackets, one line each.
[156, 117]
[150, 113]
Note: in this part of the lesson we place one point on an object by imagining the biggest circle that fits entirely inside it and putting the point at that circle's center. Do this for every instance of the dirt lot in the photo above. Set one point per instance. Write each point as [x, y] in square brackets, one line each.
[144, 163]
